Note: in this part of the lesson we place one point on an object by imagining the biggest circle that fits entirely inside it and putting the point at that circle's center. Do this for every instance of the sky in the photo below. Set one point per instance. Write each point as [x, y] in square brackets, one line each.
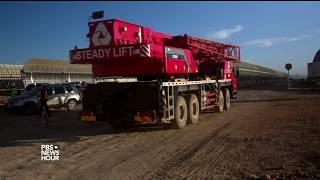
[269, 33]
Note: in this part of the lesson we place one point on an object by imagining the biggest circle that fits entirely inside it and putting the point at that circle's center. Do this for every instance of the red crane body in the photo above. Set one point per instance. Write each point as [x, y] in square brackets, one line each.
[177, 76]
[119, 48]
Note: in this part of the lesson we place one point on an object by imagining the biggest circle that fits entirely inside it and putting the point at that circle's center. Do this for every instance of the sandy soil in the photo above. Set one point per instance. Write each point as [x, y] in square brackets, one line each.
[267, 134]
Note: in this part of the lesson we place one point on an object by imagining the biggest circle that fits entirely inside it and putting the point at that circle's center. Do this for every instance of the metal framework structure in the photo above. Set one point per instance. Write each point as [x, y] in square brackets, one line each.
[205, 49]
[10, 71]
[169, 88]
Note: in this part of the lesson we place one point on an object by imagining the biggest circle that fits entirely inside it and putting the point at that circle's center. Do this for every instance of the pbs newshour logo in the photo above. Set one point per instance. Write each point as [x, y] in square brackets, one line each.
[49, 152]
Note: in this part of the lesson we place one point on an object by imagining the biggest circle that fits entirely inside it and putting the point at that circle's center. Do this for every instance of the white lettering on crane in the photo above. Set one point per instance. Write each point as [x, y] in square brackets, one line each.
[123, 51]
[126, 50]
[94, 54]
[100, 53]
[90, 54]
[107, 51]
[130, 50]
[115, 54]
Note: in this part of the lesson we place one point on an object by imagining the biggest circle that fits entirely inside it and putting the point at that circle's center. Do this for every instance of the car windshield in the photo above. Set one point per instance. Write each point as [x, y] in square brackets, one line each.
[34, 91]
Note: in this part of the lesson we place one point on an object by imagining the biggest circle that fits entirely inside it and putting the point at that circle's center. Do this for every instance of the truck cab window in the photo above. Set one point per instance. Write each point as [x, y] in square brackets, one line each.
[173, 53]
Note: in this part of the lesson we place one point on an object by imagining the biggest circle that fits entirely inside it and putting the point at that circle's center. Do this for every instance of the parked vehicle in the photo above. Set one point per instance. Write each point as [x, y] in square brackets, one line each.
[31, 86]
[59, 95]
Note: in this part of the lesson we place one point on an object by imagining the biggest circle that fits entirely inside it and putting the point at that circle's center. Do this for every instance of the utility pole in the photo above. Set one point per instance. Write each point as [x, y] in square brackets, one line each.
[288, 67]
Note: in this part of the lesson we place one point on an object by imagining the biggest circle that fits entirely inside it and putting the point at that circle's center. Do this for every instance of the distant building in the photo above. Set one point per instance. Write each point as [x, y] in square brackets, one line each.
[55, 71]
[10, 71]
[10, 74]
[314, 67]
[253, 74]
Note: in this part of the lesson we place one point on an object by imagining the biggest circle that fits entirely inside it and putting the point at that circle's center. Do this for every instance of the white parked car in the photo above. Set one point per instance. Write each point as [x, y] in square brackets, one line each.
[59, 95]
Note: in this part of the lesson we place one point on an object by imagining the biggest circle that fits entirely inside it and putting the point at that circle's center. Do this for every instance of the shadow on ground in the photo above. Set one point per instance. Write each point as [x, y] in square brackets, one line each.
[273, 86]
[265, 100]
[22, 130]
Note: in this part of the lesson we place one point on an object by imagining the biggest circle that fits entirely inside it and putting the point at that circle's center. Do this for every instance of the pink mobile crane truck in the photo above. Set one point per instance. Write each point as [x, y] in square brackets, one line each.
[176, 76]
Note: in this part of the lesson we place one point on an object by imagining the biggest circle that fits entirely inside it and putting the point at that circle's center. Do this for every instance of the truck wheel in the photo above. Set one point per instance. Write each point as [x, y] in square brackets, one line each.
[226, 95]
[181, 113]
[220, 104]
[193, 109]
[71, 105]
[29, 108]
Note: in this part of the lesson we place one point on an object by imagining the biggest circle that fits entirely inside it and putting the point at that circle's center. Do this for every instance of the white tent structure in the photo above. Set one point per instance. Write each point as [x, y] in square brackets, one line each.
[55, 71]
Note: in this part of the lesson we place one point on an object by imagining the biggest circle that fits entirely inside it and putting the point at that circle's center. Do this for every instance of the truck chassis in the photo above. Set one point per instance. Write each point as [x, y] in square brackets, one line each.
[155, 102]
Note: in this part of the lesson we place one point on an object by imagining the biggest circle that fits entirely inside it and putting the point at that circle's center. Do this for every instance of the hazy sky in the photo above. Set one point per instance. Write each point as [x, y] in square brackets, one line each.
[269, 33]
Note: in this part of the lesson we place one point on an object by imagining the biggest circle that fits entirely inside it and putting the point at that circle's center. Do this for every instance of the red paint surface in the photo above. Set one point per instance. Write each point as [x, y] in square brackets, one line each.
[125, 56]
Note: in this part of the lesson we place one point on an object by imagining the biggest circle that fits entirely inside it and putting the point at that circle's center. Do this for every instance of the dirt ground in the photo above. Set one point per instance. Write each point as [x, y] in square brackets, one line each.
[267, 134]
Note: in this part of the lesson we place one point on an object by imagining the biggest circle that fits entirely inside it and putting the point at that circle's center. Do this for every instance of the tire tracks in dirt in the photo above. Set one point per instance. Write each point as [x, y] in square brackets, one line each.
[186, 155]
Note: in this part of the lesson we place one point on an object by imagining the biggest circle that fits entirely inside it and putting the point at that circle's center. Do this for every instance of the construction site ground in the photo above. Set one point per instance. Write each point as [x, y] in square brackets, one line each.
[267, 134]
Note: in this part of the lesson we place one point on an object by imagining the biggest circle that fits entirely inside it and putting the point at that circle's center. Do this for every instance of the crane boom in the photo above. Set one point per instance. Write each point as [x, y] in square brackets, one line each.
[203, 48]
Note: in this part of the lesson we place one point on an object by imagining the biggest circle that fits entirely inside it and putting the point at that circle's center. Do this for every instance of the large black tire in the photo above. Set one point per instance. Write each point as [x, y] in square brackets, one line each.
[30, 108]
[220, 104]
[71, 105]
[226, 95]
[193, 109]
[181, 113]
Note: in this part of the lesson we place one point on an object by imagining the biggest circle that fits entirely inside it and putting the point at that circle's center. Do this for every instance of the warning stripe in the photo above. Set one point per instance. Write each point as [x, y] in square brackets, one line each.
[145, 50]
